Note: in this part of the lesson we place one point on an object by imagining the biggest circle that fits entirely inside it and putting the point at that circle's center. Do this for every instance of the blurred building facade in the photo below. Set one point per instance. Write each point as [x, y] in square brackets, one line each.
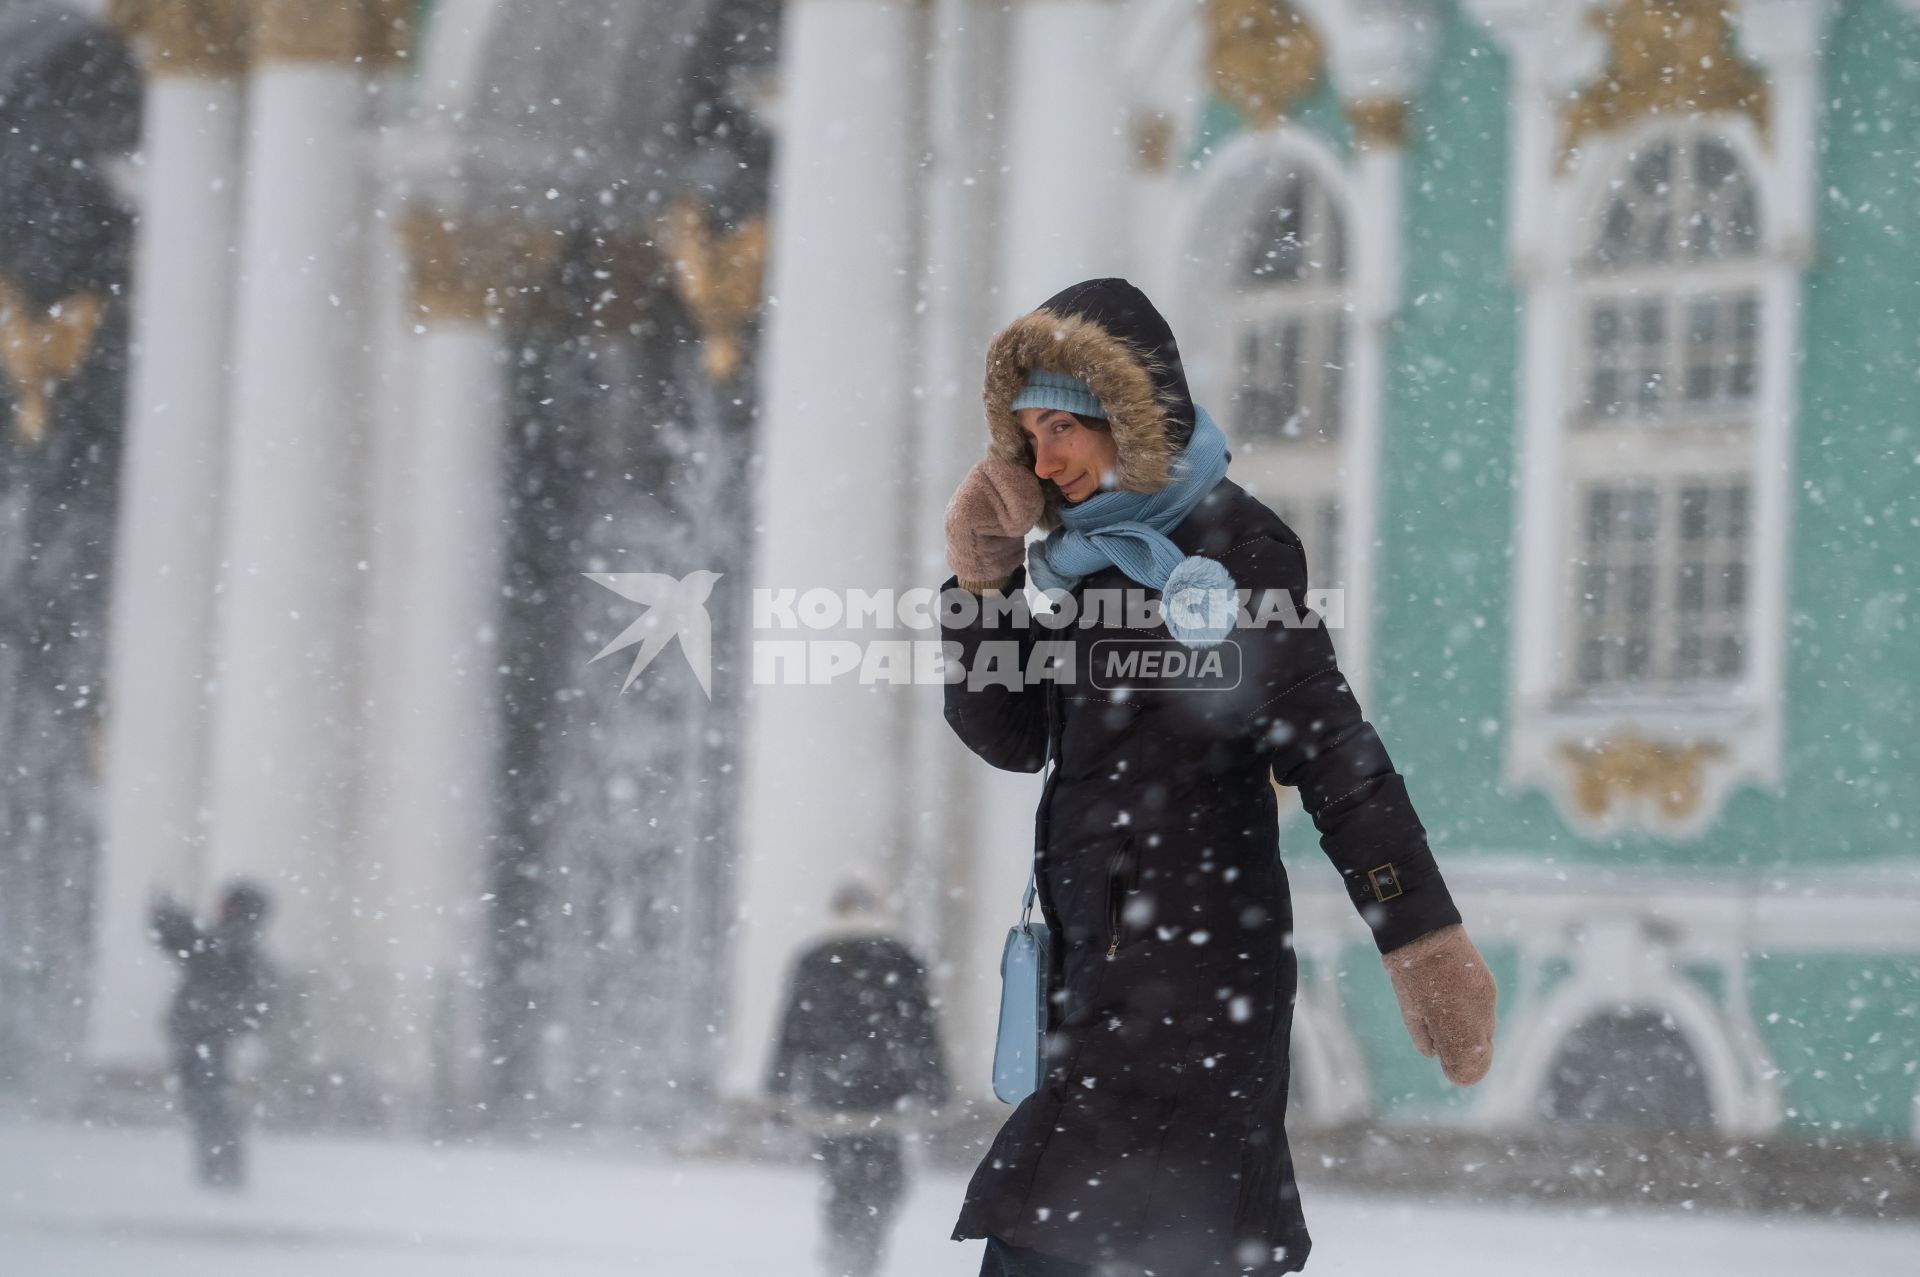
[1573, 339]
[1576, 340]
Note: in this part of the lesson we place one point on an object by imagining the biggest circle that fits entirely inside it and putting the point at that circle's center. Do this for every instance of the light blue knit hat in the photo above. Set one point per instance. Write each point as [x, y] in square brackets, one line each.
[1057, 390]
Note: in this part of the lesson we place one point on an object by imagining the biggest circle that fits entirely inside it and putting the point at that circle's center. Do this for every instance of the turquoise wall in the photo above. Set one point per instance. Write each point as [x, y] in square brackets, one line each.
[1442, 607]
[1844, 1032]
[1853, 705]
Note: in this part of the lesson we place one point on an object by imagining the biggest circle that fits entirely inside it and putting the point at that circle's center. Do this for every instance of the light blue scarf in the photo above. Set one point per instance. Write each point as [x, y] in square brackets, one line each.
[1128, 530]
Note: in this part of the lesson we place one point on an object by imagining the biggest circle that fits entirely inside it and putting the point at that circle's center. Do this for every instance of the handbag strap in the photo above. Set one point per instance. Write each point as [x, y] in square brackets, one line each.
[1033, 873]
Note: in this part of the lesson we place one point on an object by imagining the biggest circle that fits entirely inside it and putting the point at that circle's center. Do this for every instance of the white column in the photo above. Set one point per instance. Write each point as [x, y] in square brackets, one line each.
[1064, 212]
[974, 824]
[1064, 215]
[286, 699]
[425, 868]
[161, 619]
[824, 772]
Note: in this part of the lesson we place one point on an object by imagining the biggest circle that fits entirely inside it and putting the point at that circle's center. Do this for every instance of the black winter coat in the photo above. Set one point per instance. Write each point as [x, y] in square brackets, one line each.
[859, 1030]
[1157, 1137]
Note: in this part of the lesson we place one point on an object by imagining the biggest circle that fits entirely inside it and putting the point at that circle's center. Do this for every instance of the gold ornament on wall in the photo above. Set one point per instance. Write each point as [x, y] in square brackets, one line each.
[1378, 122]
[1262, 57]
[1665, 57]
[1632, 770]
[718, 278]
[39, 349]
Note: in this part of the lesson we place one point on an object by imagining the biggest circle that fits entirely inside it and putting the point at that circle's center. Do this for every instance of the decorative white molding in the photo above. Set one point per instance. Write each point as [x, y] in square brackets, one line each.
[1620, 963]
[1377, 49]
[1629, 938]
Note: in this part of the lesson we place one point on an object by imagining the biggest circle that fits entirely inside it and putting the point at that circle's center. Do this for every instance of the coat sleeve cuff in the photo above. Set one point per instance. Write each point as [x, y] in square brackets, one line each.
[1401, 899]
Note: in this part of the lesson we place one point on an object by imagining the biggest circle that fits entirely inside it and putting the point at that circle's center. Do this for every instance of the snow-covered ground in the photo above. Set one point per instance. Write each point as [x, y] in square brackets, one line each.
[98, 1203]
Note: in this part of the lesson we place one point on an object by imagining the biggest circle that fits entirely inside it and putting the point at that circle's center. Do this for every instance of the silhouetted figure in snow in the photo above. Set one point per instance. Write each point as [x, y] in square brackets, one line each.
[225, 991]
[859, 1055]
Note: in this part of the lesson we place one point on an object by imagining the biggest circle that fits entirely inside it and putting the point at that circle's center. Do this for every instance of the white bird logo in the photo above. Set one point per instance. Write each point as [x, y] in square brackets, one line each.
[674, 609]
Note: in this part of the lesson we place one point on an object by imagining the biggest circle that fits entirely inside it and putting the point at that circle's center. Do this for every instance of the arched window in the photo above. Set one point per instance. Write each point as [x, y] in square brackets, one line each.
[1659, 453]
[1286, 337]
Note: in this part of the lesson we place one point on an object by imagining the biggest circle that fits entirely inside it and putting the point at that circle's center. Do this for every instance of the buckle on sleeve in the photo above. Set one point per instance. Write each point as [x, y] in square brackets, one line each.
[1385, 883]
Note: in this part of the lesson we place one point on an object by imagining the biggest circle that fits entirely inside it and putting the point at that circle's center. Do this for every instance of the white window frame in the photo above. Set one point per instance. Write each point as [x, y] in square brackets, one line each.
[1742, 718]
[1208, 300]
[1669, 450]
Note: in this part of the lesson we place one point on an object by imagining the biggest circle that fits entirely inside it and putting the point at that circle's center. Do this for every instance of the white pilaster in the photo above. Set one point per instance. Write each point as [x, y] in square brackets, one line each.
[1375, 208]
[1064, 208]
[824, 773]
[162, 616]
[286, 700]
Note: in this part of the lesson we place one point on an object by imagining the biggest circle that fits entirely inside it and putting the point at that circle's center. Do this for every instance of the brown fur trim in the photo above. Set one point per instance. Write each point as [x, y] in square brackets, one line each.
[1120, 376]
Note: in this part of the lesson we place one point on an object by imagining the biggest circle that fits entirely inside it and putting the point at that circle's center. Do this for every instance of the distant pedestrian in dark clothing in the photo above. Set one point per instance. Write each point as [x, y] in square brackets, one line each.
[225, 991]
[859, 1053]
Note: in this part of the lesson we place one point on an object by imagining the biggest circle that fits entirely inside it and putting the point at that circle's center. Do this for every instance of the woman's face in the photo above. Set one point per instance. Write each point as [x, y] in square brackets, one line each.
[1079, 459]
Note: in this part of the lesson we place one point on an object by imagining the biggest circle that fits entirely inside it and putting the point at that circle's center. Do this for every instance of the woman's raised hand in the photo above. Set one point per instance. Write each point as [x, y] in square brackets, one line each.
[987, 522]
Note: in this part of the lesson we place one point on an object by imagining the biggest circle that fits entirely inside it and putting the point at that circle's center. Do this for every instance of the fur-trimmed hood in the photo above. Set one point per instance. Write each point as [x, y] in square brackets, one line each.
[1106, 333]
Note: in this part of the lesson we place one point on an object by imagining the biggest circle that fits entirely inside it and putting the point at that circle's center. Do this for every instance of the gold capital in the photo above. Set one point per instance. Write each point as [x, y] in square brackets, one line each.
[369, 32]
[718, 278]
[1152, 142]
[386, 36]
[205, 38]
[468, 268]
[40, 347]
[1379, 122]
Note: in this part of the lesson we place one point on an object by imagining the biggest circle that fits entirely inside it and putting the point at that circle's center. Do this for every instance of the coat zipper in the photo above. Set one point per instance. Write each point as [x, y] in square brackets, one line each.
[1116, 897]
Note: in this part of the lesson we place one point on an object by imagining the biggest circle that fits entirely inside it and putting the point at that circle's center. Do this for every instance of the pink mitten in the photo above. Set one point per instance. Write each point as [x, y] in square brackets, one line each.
[987, 522]
[1446, 998]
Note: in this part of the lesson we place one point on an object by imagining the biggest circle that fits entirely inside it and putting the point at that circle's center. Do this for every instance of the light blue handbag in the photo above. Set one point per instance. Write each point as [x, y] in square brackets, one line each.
[1020, 1050]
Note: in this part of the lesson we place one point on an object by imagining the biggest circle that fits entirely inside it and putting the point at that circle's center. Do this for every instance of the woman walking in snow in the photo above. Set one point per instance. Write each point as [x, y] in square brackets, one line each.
[1155, 1143]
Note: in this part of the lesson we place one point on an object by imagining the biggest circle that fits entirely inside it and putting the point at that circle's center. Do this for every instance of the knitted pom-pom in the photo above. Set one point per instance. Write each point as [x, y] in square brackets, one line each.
[1199, 601]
